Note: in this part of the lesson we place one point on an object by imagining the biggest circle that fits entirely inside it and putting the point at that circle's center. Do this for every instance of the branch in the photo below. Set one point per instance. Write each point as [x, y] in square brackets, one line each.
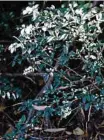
[27, 76]
[41, 93]
[21, 74]
[5, 42]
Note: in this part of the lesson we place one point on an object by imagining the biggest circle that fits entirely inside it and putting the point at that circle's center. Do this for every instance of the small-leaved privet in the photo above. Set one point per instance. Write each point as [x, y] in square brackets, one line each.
[66, 45]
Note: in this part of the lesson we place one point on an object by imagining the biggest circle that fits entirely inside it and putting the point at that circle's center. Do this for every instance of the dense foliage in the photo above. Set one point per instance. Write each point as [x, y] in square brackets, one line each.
[56, 67]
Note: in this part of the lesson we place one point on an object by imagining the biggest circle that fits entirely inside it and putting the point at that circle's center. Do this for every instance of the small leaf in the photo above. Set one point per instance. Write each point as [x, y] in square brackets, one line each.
[98, 80]
[63, 37]
[88, 98]
[13, 63]
[87, 106]
[84, 99]
[102, 91]
[49, 39]
[78, 131]
[8, 95]
[68, 132]
[23, 119]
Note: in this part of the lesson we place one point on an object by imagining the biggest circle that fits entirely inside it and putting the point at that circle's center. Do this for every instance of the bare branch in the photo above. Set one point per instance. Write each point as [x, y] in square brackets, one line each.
[21, 74]
[40, 94]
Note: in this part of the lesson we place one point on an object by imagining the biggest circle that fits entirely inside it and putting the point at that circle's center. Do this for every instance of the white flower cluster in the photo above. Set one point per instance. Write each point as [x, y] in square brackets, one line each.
[49, 69]
[12, 48]
[47, 25]
[66, 111]
[28, 70]
[26, 30]
[32, 10]
[91, 56]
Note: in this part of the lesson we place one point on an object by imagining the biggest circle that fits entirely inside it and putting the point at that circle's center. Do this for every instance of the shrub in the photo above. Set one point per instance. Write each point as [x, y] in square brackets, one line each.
[64, 46]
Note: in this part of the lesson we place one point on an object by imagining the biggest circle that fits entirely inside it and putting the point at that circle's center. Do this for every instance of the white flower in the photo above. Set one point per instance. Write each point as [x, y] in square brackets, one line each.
[93, 57]
[86, 56]
[66, 112]
[22, 32]
[23, 25]
[81, 39]
[28, 29]
[38, 62]
[35, 6]
[75, 4]
[29, 51]
[47, 24]
[14, 46]
[48, 70]
[28, 70]
[44, 28]
[101, 5]
[24, 12]
[35, 14]
[29, 10]
[52, 7]
[51, 74]
[79, 11]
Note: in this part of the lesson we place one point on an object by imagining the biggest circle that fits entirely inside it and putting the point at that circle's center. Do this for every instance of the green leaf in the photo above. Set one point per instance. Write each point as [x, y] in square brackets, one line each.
[13, 63]
[49, 39]
[92, 98]
[88, 98]
[48, 112]
[98, 80]
[102, 92]
[84, 99]
[87, 106]
[23, 119]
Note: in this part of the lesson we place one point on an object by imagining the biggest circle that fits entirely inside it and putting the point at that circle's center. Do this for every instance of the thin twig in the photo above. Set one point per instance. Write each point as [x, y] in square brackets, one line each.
[5, 42]
[31, 80]
[89, 114]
